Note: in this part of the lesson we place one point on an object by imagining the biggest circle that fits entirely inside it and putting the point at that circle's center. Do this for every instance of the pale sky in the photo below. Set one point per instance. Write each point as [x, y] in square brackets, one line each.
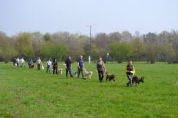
[75, 16]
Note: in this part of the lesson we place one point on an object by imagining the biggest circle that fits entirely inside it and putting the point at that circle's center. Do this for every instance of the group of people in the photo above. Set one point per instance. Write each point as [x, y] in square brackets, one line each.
[18, 61]
[52, 66]
[80, 66]
[130, 70]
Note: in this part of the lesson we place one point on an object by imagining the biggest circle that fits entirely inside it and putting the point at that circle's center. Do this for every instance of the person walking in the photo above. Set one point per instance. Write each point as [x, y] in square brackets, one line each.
[68, 63]
[48, 66]
[130, 71]
[101, 69]
[30, 63]
[80, 66]
[39, 63]
[55, 66]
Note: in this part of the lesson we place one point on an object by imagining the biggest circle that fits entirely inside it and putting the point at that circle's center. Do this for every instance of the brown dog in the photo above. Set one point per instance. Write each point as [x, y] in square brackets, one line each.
[110, 77]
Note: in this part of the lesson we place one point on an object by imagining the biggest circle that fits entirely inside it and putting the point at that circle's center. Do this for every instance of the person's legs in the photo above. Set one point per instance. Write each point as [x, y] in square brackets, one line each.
[47, 69]
[53, 70]
[70, 72]
[38, 66]
[82, 72]
[56, 70]
[66, 72]
[78, 72]
[100, 76]
[129, 80]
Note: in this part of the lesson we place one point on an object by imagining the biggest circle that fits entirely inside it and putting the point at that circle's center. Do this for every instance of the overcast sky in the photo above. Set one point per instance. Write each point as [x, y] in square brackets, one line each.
[75, 16]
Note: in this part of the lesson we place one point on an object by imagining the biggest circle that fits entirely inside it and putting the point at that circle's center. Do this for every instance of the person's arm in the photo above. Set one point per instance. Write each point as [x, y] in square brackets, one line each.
[78, 64]
[133, 68]
[133, 72]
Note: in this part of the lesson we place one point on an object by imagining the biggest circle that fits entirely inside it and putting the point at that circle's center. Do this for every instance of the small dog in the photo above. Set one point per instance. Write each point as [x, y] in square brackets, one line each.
[87, 74]
[74, 73]
[60, 71]
[110, 77]
[31, 66]
[136, 80]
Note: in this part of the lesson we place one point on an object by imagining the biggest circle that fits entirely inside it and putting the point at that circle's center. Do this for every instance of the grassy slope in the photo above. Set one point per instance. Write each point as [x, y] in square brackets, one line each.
[31, 93]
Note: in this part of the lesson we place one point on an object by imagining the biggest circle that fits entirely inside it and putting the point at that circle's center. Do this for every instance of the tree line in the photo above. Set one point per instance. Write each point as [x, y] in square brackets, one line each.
[116, 46]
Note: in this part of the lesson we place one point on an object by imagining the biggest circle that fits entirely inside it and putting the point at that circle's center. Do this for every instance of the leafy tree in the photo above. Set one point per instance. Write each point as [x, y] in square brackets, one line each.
[50, 50]
[24, 45]
[151, 52]
[47, 37]
[7, 49]
[137, 48]
[121, 51]
[167, 53]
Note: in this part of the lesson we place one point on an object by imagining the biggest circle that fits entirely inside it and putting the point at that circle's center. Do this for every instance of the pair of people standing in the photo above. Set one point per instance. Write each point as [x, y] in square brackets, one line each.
[52, 65]
[80, 66]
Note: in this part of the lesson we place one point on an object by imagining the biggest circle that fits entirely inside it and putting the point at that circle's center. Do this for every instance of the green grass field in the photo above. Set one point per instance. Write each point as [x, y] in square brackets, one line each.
[26, 93]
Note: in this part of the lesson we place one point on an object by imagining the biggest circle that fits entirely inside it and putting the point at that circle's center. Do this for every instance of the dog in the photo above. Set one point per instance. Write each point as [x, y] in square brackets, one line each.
[87, 74]
[110, 77]
[60, 71]
[74, 73]
[31, 66]
[136, 80]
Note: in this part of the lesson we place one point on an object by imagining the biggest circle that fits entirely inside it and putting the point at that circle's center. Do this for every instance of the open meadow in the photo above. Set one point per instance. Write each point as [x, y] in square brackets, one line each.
[29, 93]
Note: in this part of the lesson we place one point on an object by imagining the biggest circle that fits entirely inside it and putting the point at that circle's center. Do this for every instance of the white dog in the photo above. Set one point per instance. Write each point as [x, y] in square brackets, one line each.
[87, 74]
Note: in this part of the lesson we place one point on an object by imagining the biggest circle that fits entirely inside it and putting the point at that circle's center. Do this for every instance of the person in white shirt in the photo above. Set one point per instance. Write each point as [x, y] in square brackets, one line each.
[17, 61]
[49, 66]
[39, 63]
[21, 62]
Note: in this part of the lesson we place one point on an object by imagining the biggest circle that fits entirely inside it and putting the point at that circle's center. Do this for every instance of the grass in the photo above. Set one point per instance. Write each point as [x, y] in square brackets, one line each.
[26, 93]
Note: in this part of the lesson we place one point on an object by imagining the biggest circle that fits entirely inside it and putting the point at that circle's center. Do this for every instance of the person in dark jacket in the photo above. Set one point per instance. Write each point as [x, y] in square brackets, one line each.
[68, 63]
[55, 66]
[101, 69]
[30, 63]
[130, 71]
[80, 66]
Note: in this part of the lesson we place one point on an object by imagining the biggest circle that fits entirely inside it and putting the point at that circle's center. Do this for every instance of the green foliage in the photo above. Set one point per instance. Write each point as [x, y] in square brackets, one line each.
[121, 51]
[137, 48]
[151, 52]
[26, 93]
[167, 52]
[8, 52]
[149, 47]
[7, 49]
[50, 50]
[47, 37]
[24, 45]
